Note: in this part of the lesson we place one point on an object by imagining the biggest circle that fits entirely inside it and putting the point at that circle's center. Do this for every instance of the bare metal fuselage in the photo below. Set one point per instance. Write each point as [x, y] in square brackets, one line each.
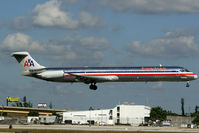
[116, 74]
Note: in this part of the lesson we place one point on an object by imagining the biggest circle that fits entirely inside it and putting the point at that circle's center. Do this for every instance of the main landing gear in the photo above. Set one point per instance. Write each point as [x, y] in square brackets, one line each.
[93, 86]
[188, 84]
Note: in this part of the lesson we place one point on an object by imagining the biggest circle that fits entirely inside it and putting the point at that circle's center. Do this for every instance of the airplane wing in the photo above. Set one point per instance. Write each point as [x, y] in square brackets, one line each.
[93, 79]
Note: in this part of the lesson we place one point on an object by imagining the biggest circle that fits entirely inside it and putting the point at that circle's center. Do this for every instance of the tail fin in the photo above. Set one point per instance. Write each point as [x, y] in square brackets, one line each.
[26, 61]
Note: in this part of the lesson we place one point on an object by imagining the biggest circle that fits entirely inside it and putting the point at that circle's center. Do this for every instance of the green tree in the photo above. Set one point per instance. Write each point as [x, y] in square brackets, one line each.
[3, 114]
[196, 120]
[50, 105]
[33, 113]
[55, 113]
[196, 109]
[18, 104]
[23, 103]
[157, 113]
[91, 108]
[182, 106]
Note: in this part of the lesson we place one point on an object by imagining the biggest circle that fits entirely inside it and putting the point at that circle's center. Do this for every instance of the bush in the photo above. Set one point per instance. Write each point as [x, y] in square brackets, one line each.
[196, 120]
[33, 113]
[157, 113]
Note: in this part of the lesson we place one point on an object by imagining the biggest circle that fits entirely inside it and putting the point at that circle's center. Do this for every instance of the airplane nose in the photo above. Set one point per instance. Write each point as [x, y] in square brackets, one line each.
[195, 76]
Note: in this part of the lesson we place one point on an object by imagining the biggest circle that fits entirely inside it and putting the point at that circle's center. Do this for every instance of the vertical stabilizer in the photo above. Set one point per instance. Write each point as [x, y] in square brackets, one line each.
[26, 61]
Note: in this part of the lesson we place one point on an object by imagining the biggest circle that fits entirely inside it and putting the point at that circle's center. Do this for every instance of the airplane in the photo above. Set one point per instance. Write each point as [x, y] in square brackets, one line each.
[94, 75]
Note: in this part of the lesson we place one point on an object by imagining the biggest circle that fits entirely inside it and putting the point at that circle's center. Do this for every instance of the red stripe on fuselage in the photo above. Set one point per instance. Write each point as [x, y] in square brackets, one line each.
[136, 74]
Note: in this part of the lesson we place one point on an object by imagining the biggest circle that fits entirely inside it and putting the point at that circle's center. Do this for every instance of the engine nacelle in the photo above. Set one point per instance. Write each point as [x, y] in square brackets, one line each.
[51, 74]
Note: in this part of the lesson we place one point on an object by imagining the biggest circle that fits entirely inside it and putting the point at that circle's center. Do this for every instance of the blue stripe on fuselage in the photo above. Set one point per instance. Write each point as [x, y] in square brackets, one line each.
[119, 71]
[156, 69]
[113, 68]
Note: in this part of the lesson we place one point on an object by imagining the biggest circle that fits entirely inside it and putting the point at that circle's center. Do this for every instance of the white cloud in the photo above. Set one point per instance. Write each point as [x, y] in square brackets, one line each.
[153, 6]
[173, 45]
[74, 48]
[49, 14]
[181, 32]
[94, 43]
[53, 14]
[70, 1]
[19, 41]
[88, 21]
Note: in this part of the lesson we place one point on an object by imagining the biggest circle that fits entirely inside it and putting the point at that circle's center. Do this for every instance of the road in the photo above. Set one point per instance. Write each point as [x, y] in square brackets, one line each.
[93, 129]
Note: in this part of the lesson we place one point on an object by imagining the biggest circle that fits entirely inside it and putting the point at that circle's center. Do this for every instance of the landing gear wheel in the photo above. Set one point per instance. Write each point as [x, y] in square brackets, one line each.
[93, 87]
[187, 85]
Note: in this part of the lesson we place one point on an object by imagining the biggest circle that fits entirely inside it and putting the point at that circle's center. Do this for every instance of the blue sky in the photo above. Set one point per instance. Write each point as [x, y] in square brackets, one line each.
[100, 33]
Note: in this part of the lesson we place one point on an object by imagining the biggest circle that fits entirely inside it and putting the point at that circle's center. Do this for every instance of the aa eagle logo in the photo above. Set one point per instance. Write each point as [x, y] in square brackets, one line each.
[29, 63]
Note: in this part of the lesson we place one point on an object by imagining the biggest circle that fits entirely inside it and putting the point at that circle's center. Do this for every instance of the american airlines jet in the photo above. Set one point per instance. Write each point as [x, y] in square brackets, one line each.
[94, 75]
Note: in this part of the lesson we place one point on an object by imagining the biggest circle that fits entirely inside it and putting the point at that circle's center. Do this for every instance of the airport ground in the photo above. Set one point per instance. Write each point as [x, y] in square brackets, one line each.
[91, 129]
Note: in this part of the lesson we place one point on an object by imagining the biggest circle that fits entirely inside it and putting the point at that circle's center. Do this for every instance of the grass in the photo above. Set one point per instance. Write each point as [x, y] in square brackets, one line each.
[69, 131]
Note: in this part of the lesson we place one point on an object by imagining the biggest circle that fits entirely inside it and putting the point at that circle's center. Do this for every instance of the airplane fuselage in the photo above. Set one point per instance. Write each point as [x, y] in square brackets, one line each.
[117, 74]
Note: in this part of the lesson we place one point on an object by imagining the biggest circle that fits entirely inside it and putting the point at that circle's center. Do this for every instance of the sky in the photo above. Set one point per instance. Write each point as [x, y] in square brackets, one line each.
[68, 33]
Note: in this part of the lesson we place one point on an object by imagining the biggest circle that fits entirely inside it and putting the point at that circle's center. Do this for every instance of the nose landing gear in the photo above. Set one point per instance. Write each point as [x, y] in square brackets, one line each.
[93, 86]
[188, 84]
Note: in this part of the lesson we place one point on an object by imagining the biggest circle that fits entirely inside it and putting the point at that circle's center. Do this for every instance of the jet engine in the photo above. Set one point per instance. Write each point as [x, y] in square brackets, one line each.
[51, 74]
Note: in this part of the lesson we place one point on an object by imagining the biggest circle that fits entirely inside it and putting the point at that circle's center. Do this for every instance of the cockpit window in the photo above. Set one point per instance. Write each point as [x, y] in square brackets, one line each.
[186, 70]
